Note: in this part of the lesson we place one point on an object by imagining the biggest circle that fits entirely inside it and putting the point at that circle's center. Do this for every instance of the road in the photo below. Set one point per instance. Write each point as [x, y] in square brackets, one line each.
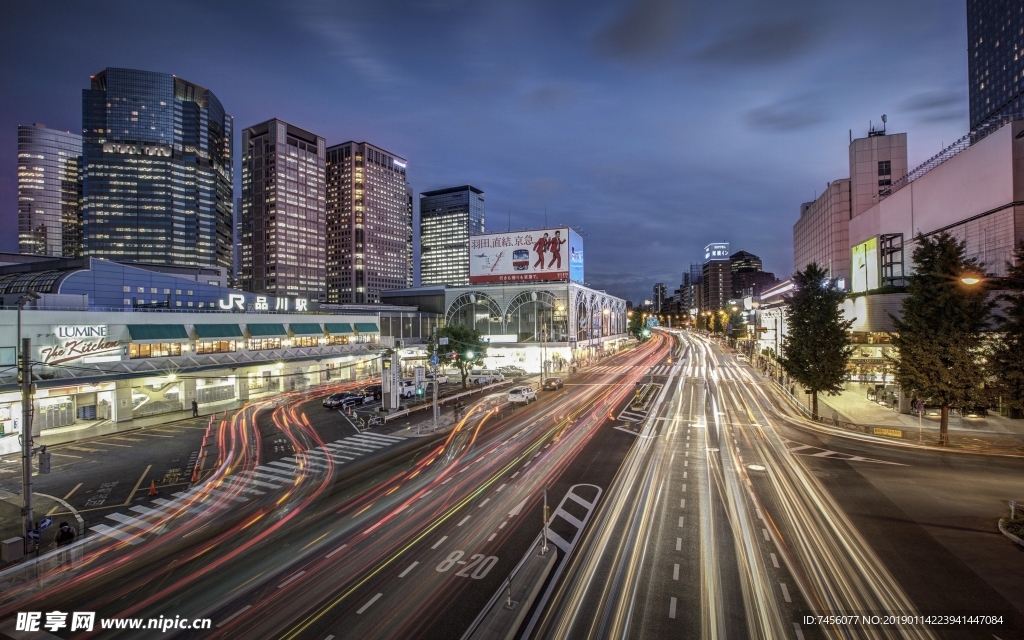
[283, 544]
[722, 523]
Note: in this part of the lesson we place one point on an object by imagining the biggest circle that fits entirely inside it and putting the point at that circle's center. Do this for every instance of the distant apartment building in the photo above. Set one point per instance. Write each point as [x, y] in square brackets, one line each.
[282, 221]
[49, 192]
[658, 299]
[747, 276]
[157, 167]
[369, 223]
[995, 66]
[448, 217]
[716, 276]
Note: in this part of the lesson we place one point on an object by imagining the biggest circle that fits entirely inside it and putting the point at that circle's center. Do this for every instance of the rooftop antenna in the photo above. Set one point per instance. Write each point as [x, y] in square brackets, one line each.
[884, 120]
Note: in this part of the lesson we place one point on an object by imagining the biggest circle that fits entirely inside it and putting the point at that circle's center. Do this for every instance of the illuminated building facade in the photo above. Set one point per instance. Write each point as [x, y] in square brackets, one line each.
[448, 217]
[49, 192]
[282, 220]
[369, 223]
[157, 171]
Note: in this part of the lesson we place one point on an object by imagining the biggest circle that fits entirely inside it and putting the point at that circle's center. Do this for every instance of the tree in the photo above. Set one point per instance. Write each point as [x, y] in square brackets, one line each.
[637, 325]
[1006, 360]
[817, 346]
[939, 342]
[465, 349]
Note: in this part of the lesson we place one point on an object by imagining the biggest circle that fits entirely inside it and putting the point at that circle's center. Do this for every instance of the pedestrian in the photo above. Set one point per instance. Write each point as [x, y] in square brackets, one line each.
[195, 409]
[65, 535]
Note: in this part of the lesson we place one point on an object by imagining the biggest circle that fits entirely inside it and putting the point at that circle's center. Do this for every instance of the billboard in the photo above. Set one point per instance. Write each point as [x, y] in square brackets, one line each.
[542, 255]
[716, 251]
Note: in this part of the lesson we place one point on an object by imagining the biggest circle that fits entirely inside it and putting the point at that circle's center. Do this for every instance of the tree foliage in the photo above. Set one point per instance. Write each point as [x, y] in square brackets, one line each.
[1006, 360]
[939, 341]
[817, 346]
[637, 325]
[465, 349]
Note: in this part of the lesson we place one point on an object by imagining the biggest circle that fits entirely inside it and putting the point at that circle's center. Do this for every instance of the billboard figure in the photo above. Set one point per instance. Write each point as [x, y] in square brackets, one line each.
[540, 247]
[555, 247]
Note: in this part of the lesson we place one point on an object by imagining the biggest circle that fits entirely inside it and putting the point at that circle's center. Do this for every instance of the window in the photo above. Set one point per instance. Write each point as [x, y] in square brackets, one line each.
[884, 168]
[261, 344]
[305, 341]
[142, 290]
[152, 289]
[157, 350]
[127, 289]
[337, 339]
[215, 346]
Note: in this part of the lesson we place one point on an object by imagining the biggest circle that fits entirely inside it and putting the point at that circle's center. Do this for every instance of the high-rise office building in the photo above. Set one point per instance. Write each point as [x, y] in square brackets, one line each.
[716, 276]
[49, 192]
[410, 275]
[448, 217]
[369, 224]
[747, 277]
[156, 171]
[282, 227]
[658, 299]
[995, 66]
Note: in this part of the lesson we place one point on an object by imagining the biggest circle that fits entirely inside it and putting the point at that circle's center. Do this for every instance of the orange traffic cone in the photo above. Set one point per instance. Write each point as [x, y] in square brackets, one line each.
[152, 489]
[195, 474]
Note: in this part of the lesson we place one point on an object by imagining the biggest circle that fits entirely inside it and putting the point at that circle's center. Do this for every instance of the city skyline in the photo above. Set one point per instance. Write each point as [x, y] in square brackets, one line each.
[739, 163]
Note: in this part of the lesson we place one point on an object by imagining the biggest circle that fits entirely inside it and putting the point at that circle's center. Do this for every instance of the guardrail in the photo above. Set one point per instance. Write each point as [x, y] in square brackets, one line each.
[440, 401]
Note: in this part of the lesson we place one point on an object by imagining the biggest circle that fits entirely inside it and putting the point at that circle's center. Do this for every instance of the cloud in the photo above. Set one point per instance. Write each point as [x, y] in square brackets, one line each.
[937, 106]
[549, 96]
[789, 114]
[648, 29]
[764, 43]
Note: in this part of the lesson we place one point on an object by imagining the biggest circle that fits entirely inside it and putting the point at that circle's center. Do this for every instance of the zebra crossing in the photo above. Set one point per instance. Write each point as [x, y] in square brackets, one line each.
[238, 489]
[662, 370]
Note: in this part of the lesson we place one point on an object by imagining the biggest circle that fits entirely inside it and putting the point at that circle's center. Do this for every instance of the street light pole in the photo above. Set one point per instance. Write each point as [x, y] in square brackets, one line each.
[28, 518]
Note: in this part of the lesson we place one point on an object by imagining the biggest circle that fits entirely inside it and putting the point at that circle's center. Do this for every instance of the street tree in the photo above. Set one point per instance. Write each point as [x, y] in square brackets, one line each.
[1006, 361]
[637, 324]
[817, 346]
[940, 335]
[465, 349]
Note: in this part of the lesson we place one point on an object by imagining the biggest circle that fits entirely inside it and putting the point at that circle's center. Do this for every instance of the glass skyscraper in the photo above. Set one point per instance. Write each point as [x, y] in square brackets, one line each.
[282, 245]
[995, 58]
[49, 192]
[447, 218]
[157, 171]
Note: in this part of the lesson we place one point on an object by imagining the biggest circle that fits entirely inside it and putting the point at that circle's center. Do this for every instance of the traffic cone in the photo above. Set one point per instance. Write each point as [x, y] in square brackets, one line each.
[152, 489]
[195, 474]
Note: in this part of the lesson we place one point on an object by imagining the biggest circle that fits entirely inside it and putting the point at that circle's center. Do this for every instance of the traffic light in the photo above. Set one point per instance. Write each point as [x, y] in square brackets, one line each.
[419, 391]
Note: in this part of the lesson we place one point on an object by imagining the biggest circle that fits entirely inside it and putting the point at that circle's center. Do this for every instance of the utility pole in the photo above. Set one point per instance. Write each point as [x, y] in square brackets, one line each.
[28, 518]
[544, 538]
[435, 360]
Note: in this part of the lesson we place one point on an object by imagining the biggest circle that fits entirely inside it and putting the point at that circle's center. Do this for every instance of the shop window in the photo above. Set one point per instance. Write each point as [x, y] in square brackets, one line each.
[262, 344]
[215, 346]
[305, 341]
[157, 350]
[337, 340]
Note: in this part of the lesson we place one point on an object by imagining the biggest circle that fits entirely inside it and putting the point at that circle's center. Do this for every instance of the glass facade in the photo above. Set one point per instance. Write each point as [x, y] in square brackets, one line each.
[447, 218]
[995, 58]
[282, 221]
[157, 171]
[49, 192]
[369, 223]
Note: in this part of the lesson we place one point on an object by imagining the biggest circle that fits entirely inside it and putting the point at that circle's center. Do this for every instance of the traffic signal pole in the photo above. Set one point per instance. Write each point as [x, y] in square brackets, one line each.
[28, 518]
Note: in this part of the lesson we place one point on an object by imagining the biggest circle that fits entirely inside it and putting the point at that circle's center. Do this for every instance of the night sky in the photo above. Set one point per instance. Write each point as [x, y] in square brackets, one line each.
[656, 127]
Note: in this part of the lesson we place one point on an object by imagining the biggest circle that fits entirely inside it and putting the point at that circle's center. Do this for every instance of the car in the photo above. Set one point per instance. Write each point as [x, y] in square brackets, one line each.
[375, 390]
[522, 394]
[441, 378]
[356, 398]
[333, 401]
[407, 388]
[740, 357]
[551, 384]
[486, 375]
[511, 372]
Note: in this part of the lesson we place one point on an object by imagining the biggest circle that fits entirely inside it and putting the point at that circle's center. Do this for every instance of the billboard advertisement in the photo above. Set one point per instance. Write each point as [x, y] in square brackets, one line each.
[542, 255]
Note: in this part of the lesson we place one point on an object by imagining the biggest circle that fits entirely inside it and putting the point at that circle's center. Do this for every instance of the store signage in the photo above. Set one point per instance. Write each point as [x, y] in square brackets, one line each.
[237, 301]
[234, 301]
[716, 251]
[75, 342]
[137, 149]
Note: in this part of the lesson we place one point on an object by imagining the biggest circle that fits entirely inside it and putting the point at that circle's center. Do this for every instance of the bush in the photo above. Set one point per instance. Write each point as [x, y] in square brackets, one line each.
[1015, 526]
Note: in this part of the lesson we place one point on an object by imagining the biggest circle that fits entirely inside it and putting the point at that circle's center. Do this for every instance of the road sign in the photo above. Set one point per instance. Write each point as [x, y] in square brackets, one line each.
[442, 341]
[33, 534]
[45, 522]
[434, 360]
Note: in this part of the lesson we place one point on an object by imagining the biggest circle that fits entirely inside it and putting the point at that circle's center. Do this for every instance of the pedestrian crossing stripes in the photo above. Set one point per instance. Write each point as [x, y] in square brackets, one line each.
[240, 488]
[811, 451]
[661, 370]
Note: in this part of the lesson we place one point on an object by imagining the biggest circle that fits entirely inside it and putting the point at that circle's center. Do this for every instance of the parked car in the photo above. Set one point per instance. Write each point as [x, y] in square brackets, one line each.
[407, 388]
[485, 376]
[511, 372]
[522, 394]
[356, 398]
[551, 384]
[441, 378]
[741, 357]
[333, 401]
[375, 390]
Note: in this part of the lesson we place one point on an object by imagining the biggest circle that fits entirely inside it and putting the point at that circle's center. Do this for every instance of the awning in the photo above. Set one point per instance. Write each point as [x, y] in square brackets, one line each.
[338, 328]
[157, 332]
[218, 331]
[367, 327]
[306, 329]
[266, 330]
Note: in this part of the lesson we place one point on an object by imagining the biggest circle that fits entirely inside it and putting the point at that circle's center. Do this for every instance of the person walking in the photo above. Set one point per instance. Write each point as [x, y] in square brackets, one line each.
[195, 409]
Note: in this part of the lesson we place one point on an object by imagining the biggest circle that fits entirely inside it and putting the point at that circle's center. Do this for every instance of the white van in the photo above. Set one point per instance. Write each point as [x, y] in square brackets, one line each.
[407, 388]
[485, 376]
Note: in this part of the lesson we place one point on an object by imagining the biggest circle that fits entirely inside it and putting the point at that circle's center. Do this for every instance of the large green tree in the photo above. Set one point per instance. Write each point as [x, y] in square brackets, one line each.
[1007, 357]
[940, 336]
[465, 349]
[637, 324]
[817, 346]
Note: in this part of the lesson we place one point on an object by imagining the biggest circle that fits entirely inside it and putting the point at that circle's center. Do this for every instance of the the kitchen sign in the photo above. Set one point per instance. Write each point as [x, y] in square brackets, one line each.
[76, 342]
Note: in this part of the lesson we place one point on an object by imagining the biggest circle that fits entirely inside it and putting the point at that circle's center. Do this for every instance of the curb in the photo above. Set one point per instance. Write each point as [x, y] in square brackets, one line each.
[1013, 538]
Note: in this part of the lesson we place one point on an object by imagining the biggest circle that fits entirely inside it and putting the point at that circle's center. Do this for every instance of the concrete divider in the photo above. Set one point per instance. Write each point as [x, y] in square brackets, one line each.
[499, 621]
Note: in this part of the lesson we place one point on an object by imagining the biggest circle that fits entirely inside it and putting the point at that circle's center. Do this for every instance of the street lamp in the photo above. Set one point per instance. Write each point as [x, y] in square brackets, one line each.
[971, 279]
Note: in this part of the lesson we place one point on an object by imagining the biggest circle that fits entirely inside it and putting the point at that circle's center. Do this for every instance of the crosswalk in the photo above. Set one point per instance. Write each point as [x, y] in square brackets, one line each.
[662, 370]
[134, 527]
[810, 451]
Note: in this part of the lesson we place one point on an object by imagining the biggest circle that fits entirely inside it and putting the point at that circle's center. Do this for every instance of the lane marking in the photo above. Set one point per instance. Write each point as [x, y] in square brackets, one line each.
[682, 503]
[684, 488]
[291, 580]
[800, 633]
[492, 537]
[235, 615]
[785, 592]
[498, 490]
[336, 551]
[408, 569]
[367, 605]
[681, 522]
[486, 500]
[684, 475]
[515, 474]
[502, 525]
[765, 532]
[775, 561]
[675, 571]
[438, 543]
[463, 521]
[672, 608]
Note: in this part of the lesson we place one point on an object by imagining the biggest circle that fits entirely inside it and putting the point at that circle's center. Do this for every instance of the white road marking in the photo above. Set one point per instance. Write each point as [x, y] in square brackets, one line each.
[367, 605]
[672, 608]
[679, 544]
[785, 592]
[518, 508]
[463, 521]
[684, 488]
[438, 543]
[502, 525]
[800, 634]
[290, 580]
[681, 522]
[684, 475]
[765, 532]
[336, 551]
[492, 537]
[486, 500]
[408, 569]
[682, 503]
[235, 615]
[515, 474]
[498, 490]
[675, 571]
[775, 561]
